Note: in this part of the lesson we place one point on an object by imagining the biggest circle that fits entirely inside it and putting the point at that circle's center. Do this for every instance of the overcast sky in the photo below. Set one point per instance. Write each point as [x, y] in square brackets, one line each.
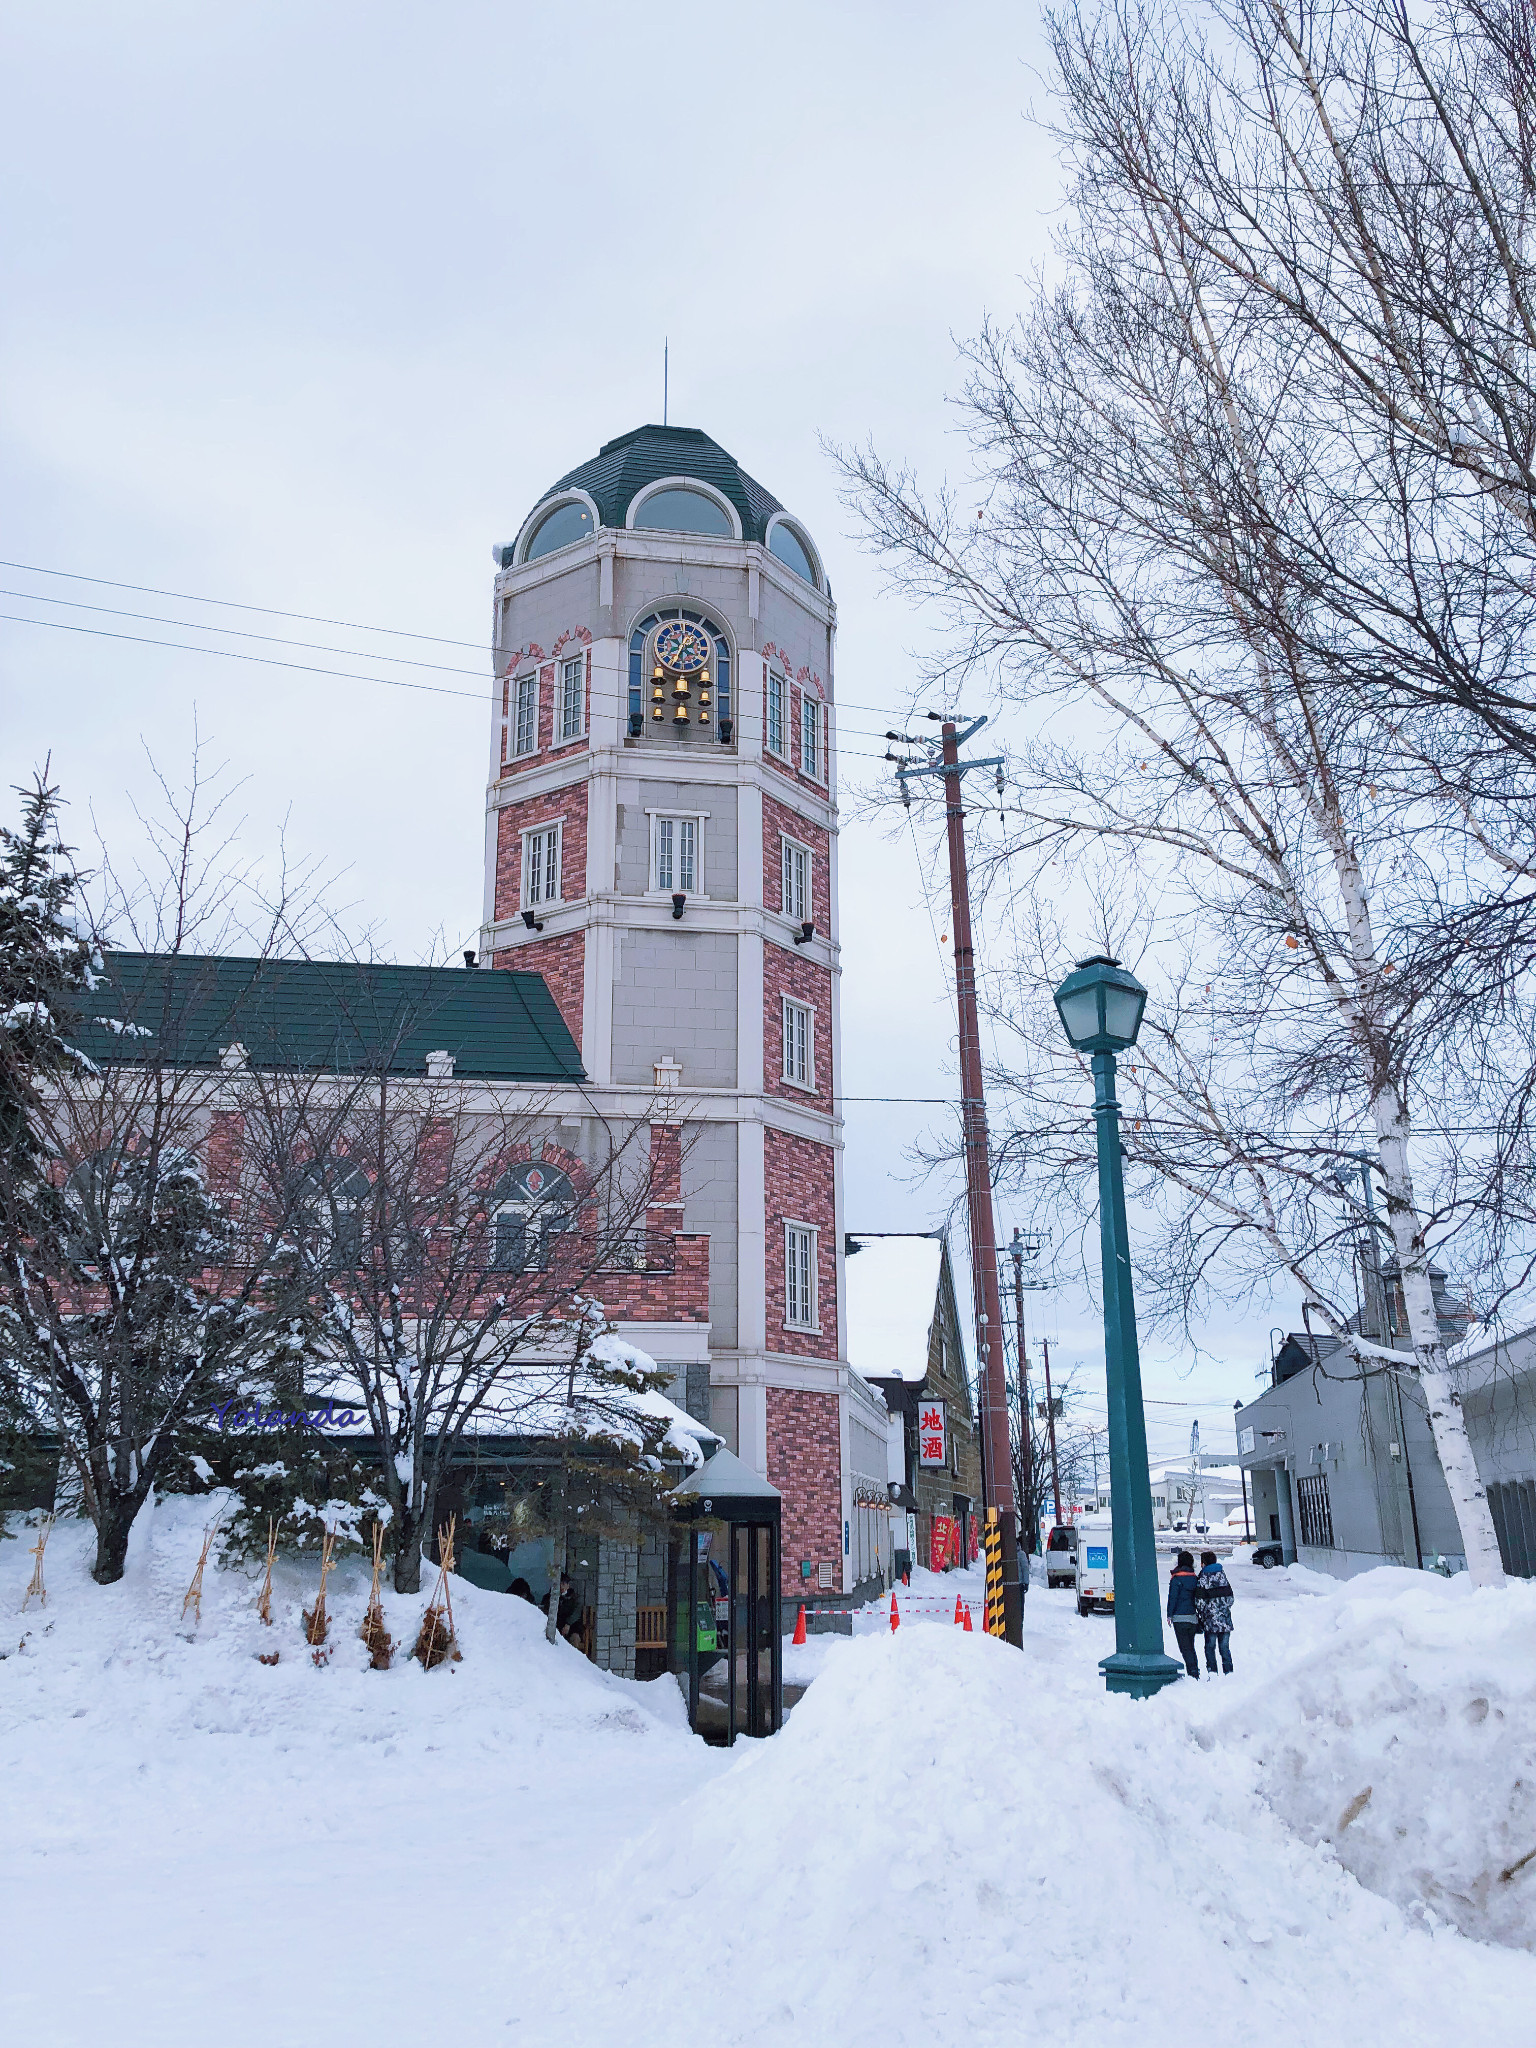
[305, 305]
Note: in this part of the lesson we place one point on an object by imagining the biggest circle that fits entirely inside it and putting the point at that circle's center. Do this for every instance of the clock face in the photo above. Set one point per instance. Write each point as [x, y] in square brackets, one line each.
[682, 647]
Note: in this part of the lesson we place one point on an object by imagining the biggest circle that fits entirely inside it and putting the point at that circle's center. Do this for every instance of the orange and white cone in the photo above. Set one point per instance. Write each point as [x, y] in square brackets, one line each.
[799, 1634]
[967, 1624]
[959, 1609]
[895, 1617]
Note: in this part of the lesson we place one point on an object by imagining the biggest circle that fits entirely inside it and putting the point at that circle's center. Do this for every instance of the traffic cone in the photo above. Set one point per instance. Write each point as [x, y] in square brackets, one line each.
[968, 1629]
[906, 1578]
[799, 1634]
[895, 1617]
[959, 1609]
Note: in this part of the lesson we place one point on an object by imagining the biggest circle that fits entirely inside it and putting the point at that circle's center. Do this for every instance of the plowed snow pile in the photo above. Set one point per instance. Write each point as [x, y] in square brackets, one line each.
[949, 1844]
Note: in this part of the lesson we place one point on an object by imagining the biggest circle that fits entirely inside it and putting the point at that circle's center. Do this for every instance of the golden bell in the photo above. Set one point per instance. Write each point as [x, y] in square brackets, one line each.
[680, 715]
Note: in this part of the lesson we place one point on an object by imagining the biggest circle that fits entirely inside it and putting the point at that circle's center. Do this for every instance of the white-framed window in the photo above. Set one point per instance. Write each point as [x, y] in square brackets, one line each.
[777, 714]
[525, 713]
[573, 697]
[541, 865]
[677, 852]
[800, 1276]
[812, 751]
[796, 881]
[799, 1049]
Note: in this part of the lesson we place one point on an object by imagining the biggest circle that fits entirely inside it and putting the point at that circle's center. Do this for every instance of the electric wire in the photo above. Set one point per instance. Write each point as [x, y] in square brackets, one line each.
[307, 618]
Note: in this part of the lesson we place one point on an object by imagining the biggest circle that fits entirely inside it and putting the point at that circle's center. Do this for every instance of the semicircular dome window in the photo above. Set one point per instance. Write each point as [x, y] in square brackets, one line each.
[559, 529]
[683, 511]
[785, 544]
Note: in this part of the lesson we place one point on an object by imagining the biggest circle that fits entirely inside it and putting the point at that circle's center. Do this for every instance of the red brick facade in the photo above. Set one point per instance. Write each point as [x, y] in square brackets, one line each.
[781, 822]
[802, 687]
[800, 1189]
[562, 962]
[789, 973]
[568, 806]
[550, 667]
[805, 1463]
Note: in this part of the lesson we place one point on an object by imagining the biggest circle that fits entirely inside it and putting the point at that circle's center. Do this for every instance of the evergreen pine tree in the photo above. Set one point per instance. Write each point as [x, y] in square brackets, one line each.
[44, 964]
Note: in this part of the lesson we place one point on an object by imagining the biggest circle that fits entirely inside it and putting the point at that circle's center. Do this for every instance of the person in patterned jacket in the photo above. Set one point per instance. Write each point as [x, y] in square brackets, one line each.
[1213, 1611]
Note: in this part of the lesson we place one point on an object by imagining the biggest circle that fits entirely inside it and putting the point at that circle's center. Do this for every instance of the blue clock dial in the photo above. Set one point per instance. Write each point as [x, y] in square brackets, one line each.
[681, 647]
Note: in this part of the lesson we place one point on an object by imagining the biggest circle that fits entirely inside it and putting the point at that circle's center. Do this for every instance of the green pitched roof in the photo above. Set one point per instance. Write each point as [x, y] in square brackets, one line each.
[622, 467]
[320, 1015]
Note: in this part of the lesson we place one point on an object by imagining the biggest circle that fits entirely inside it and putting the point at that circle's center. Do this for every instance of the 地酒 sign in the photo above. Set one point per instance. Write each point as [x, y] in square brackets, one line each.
[930, 1434]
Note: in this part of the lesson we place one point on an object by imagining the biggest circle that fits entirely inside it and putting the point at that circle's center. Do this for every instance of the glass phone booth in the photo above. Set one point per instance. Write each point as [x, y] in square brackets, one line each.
[723, 1600]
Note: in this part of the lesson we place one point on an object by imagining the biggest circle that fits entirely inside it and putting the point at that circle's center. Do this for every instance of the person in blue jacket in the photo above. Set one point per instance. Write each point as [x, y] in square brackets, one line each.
[1213, 1609]
[1181, 1609]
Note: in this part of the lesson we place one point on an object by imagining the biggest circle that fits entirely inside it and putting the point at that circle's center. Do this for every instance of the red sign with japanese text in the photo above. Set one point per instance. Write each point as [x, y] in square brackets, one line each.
[945, 1531]
[930, 1434]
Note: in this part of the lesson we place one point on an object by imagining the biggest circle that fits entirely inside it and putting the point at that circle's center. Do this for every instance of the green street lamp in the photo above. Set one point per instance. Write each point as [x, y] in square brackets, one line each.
[1101, 1005]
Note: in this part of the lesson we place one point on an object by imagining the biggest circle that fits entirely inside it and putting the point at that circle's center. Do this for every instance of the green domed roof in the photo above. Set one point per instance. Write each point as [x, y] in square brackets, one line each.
[622, 467]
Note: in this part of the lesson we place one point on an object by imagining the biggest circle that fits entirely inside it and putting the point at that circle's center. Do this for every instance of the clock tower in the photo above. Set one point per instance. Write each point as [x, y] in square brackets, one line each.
[661, 845]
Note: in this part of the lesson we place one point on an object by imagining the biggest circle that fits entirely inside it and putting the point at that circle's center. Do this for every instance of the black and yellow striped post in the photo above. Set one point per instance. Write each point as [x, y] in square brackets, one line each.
[994, 1549]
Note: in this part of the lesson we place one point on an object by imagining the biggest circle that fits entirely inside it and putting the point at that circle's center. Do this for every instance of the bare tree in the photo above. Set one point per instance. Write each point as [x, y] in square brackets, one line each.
[445, 1240]
[1271, 639]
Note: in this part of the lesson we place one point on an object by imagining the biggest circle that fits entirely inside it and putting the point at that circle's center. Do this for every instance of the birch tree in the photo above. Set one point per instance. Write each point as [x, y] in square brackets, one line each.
[1267, 618]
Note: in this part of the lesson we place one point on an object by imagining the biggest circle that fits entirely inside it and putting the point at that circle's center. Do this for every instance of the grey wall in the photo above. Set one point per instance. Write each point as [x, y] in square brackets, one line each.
[541, 614]
[634, 833]
[709, 1204]
[675, 992]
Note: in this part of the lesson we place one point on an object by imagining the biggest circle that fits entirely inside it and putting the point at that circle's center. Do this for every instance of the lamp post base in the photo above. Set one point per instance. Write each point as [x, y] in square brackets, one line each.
[1140, 1673]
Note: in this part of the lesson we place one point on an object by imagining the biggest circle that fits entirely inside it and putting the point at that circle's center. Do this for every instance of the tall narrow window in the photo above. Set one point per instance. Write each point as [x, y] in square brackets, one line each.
[572, 677]
[797, 882]
[810, 736]
[526, 734]
[797, 1043]
[675, 856]
[541, 866]
[799, 1276]
[776, 709]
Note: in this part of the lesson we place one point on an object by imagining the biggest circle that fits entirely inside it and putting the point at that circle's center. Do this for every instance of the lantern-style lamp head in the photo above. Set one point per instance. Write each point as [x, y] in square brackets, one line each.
[1101, 1004]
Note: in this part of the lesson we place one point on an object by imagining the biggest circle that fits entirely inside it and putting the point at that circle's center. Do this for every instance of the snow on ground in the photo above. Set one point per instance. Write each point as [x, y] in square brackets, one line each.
[949, 1843]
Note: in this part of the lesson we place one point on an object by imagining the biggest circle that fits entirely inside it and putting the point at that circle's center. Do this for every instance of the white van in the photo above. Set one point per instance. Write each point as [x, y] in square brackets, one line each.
[1061, 1555]
[1095, 1565]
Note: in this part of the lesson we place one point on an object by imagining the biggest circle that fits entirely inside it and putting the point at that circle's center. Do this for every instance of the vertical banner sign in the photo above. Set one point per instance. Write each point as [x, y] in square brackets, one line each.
[938, 1542]
[994, 1575]
[930, 1433]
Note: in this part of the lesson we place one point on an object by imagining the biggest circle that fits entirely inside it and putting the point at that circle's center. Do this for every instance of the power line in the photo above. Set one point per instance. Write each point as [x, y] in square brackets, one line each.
[306, 618]
[238, 632]
[235, 654]
[235, 604]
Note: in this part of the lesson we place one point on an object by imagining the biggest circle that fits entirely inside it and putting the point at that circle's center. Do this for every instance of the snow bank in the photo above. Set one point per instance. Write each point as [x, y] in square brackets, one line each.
[1397, 1725]
[198, 1848]
[953, 1844]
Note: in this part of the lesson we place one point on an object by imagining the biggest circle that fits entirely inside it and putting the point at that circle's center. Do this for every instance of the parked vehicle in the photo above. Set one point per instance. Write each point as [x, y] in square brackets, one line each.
[1095, 1565]
[1268, 1555]
[1061, 1555]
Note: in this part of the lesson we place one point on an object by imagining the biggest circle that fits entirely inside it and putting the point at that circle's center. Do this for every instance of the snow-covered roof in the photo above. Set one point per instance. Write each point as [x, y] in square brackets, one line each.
[892, 1288]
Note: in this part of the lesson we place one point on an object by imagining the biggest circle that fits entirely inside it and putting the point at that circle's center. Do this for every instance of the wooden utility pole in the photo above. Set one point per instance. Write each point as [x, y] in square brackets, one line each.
[1050, 1423]
[1026, 1506]
[998, 1474]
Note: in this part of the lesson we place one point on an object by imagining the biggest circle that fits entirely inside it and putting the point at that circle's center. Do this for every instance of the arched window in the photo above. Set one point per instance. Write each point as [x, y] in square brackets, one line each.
[333, 1198]
[786, 546]
[561, 528]
[530, 1207]
[680, 670]
[681, 510]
